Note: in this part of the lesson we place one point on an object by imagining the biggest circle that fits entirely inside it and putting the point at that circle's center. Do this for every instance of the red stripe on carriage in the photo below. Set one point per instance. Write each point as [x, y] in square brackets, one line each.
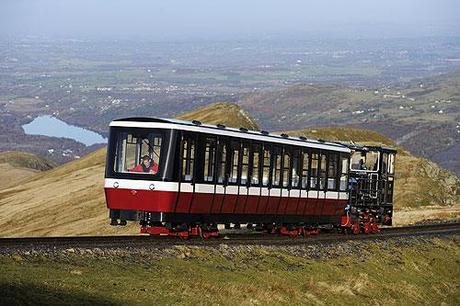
[251, 204]
[204, 203]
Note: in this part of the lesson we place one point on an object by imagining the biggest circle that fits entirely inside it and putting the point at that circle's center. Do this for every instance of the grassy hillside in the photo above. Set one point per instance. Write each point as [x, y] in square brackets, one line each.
[408, 271]
[228, 114]
[16, 167]
[26, 160]
[69, 199]
[419, 182]
[66, 200]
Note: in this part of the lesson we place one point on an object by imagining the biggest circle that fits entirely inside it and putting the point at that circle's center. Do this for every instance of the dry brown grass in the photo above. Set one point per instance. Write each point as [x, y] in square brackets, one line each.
[410, 216]
[68, 200]
[228, 114]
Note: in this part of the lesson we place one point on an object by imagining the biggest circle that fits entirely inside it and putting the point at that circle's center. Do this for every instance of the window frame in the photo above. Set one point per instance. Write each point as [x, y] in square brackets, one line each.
[336, 174]
[277, 151]
[344, 172]
[322, 171]
[310, 172]
[266, 147]
[287, 151]
[296, 154]
[244, 145]
[188, 158]
[208, 138]
[255, 147]
[235, 146]
[222, 163]
[113, 151]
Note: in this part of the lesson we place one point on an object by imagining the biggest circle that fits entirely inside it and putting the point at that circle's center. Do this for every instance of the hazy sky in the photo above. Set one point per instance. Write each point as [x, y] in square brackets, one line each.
[188, 19]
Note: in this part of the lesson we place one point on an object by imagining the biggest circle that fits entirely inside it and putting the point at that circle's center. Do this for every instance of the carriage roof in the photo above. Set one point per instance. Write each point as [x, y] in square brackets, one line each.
[197, 126]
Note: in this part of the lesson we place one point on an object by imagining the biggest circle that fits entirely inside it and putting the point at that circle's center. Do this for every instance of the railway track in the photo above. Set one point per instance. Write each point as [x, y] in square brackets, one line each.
[112, 242]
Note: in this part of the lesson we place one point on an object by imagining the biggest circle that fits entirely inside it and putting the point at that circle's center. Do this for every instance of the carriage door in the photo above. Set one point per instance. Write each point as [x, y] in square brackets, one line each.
[243, 185]
[187, 173]
[322, 193]
[221, 175]
[233, 170]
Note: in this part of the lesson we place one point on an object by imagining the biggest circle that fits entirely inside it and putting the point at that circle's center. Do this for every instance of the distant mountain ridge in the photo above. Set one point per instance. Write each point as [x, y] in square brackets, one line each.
[69, 199]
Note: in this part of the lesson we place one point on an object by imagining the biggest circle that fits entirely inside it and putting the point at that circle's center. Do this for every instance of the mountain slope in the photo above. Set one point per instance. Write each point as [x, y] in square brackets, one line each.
[422, 115]
[228, 114]
[69, 200]
[16, 167]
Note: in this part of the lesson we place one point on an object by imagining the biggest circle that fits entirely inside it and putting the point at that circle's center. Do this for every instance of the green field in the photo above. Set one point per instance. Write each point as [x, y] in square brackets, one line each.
[414, 271]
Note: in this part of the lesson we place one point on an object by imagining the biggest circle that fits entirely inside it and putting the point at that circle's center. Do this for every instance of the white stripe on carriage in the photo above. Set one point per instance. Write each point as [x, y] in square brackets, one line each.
[209, 189]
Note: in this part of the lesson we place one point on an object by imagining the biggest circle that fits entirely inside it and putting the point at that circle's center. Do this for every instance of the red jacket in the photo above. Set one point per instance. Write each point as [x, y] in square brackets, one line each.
[152, 169]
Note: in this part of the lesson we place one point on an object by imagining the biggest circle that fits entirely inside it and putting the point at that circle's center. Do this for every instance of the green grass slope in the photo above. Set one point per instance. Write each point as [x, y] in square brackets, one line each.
[407, 271]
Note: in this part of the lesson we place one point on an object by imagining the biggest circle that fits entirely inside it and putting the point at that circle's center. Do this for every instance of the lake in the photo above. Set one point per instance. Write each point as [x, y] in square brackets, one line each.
[53, 127]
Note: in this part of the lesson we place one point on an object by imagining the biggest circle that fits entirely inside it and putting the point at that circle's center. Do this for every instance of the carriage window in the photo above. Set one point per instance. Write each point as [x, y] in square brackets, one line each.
[222, 160]
[209, 160]
[391, 164]
[314, 171]
[286, 168]
[234, 163]
[344, 174]
[266, 167]
[295, 170]
[188, 158]
[385, 163]
[255, 165]
[138, 153]
[276, 174]
[332, 170]
[304, 169]
[358, 160]
[372, 160]
[244, 165]
[322, 172]
[367, 161]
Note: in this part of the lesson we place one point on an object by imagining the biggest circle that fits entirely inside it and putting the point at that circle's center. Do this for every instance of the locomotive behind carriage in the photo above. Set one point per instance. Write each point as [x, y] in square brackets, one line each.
[185, 178]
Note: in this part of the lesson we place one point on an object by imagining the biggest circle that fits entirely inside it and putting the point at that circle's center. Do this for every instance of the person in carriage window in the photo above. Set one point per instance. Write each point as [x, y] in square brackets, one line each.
[147, 165]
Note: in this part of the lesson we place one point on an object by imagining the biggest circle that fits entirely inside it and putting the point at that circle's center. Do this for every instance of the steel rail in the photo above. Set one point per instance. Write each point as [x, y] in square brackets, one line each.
[143, 241]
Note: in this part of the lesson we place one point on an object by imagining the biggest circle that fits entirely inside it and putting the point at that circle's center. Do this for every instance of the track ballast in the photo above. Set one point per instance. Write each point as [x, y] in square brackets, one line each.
[124, 242]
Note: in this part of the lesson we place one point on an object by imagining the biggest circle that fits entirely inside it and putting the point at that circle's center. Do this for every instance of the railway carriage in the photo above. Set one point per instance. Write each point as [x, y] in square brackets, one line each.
[184, 178]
